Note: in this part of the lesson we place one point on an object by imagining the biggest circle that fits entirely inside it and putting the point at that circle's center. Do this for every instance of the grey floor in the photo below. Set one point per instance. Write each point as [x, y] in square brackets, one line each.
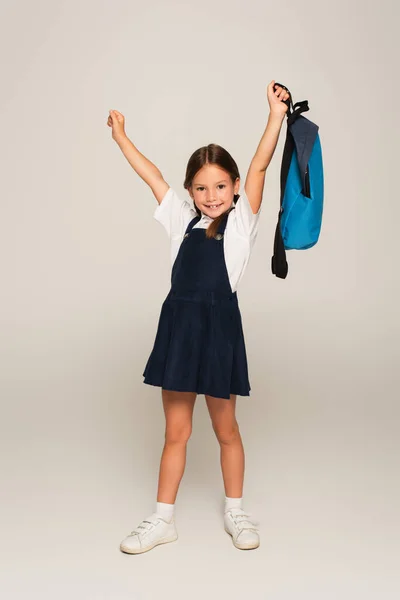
[80, 472]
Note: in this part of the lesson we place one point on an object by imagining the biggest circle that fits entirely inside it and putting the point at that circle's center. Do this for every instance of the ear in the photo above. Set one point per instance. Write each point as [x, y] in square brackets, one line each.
[236, 186]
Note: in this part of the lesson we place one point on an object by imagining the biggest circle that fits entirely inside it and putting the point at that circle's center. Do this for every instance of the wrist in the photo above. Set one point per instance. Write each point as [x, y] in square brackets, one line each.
[120, 138]
[277, 117]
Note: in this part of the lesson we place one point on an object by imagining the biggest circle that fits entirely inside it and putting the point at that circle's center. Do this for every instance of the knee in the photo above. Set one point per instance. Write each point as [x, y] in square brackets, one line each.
[178, 434]
[227, 434]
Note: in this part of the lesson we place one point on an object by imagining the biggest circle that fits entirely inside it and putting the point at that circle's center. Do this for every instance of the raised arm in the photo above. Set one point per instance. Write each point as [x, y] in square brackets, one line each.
[255, 179]
[142, 165]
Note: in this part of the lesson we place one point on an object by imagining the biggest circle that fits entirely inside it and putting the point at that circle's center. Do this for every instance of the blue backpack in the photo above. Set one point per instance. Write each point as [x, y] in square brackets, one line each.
[302, 187]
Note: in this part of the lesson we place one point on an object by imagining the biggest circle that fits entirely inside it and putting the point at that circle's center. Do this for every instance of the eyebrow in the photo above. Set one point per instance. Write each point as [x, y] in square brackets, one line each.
[221, 181]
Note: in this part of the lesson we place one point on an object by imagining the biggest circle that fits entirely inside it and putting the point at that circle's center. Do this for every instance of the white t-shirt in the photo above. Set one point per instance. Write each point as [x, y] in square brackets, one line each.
[175, 213]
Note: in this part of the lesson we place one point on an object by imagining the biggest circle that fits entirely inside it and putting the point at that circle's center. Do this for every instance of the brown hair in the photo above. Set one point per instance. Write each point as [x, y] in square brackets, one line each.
[213, 154]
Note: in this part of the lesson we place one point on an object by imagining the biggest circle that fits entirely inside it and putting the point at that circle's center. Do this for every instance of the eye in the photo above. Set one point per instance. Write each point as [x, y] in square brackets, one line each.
[200, 188]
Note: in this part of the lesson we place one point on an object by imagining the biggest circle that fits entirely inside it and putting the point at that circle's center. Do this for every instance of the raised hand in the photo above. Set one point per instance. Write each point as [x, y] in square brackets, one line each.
[276, 99]
[116, 121]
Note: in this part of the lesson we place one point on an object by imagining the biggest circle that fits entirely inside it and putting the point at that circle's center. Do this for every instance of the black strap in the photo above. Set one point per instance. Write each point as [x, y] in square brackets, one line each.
[298, 108]
[279, 265]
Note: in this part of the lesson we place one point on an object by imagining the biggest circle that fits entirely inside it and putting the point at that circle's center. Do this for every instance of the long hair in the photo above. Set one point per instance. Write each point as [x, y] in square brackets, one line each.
[213, 154]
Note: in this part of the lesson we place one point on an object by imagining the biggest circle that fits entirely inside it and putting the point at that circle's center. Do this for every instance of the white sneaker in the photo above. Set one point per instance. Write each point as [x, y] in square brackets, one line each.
[244, 532]
[149, 533]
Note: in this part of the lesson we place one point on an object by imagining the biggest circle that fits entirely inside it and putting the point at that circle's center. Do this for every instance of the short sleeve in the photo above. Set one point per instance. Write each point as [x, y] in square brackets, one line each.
[246, 220]
[174, 213]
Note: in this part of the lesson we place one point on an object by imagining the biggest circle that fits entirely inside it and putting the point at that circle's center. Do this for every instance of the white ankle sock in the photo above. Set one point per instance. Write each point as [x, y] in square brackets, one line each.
[232, 503]
[166, 511]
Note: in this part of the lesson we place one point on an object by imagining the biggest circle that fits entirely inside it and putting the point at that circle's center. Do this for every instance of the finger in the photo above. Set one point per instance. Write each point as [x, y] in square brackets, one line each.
[283, 95]
[114, 114]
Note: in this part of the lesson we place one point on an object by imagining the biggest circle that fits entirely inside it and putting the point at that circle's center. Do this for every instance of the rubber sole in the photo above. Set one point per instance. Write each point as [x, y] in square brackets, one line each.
[147, 548]
[242, 546]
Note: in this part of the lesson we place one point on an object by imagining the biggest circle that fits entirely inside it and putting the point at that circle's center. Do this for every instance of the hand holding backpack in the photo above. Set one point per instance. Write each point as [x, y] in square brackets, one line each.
[302, 187]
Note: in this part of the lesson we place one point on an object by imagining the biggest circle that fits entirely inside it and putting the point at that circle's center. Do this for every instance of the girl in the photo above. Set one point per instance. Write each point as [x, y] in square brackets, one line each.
[199, 345]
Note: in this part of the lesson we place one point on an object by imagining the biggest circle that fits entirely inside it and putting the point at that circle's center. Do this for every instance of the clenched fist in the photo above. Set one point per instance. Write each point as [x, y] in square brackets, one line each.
[116, 121]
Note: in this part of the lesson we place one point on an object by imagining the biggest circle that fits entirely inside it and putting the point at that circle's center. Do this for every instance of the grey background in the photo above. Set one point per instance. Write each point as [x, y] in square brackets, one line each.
[85, 268]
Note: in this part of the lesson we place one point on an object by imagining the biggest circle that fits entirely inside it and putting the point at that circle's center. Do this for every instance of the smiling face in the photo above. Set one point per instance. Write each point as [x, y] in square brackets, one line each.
[212, 190]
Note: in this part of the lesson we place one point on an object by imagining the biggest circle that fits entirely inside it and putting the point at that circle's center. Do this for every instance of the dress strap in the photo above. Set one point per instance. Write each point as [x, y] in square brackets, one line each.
[192, 223]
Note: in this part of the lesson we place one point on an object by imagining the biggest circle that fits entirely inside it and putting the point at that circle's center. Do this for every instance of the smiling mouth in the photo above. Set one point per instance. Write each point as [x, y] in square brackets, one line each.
[213, 206]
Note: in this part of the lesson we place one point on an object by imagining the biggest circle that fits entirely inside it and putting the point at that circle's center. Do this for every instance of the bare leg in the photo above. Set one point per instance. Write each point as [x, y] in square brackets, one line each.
[178, 409]
[226, 428]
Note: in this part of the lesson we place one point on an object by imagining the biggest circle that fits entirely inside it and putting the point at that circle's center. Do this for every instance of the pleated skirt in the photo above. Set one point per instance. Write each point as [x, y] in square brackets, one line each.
[199, 346]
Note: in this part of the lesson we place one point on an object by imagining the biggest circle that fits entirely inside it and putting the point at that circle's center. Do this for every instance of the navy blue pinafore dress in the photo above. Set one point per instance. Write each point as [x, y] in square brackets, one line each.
[199, 345]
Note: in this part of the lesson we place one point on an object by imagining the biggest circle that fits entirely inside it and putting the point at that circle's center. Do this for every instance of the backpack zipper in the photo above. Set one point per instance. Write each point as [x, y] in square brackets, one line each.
[307, 184]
